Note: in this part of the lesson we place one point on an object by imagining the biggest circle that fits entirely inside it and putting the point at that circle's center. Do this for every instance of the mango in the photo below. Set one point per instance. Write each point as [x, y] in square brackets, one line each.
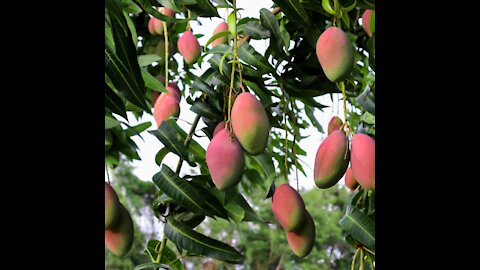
[222, 27]
[112, 206]
[189, 47]
[173, 89]
[330, 160]
[363, 160]
[225, 160]
[166, 106]
[301, 241]
[366, 21]
[288, 208]
[334, 124]
[335, 54]
[219, 127]
[119, 238]
[350, 181]
[155, 26]
[250, 123]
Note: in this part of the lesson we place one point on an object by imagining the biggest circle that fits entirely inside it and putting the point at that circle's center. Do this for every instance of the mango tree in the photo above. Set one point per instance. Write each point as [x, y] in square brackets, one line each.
[255, 107]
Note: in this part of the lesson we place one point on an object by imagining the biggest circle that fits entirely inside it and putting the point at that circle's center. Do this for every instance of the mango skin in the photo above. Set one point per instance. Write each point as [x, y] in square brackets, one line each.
[288, 208]
[350, 181]
[172, 89]
[218, 128]
[334, 124]
[223, 26]
[119, 238]
[250, 123]
[301, 242]
[112, 206]
[335, 54]
[330, 160]
[363, 160]
[155, 26]
[166, 105]
[366, 21]
[189, 47]
[225, 160]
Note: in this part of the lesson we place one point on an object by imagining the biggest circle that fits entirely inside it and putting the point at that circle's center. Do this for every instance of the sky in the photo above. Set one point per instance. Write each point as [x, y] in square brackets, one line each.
[150, 145]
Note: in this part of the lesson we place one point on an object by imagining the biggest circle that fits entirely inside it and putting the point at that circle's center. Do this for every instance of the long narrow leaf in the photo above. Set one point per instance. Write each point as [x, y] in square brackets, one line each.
[188, 239]
[178, 189]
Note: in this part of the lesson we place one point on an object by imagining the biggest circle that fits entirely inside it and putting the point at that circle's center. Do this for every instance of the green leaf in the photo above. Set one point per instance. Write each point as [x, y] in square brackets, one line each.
[235, 211]
[169, 257]
[152, 265]
[193, 147]
[188, 239]
[294, 11]
[215, 78]
[109, 38]
[169, 4]
[114, 103]
[367, 100]
[147, 7]
[167, 134]
[130, 7]
[248, 54]
[328, 7]
[111, 122]
[220, 49]
[132, 28]
[125, 55]
[372, 22]
[266, 162]
[161, 155]
[123, 80]
[218, 61]
[205, 110]
[232, 23]
[269, 21]
[200, 85]
[222, 59]
[208, 9]
[217, 35]
[213, 206]
[285, 37]
[359, 226]
[136, 130]
[255, 29]
[271, 189]
[249, 215]
[178, 189]
[309, 111]
[368, 118]
[152, 82]
[148, 59]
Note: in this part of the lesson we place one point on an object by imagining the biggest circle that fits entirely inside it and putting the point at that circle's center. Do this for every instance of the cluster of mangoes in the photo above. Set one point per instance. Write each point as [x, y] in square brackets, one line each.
[119, 231]
[250, 131]
[333, 156]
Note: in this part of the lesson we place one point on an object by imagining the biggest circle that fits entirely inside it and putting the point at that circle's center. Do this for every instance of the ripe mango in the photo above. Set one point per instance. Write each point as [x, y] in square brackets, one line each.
[223, 26]
[335, 54]
[166, 106]
[155, 26]
[330, 160]
[363, 160]
[301, 241]
[250, 123]
[334, 124]
[288, 208]
[119, 238]
[219, 127]
[350, 181]
[189, 47]
[112, 206]
[366, 21]
[225, 160]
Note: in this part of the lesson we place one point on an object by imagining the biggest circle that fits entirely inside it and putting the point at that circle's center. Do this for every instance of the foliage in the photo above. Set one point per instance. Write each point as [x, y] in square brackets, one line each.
[287, 79]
